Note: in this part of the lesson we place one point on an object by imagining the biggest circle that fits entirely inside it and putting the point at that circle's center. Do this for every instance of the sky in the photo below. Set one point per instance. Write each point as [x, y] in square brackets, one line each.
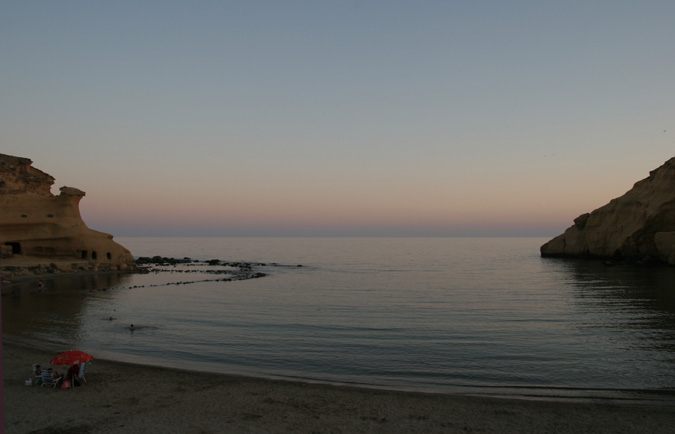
[339, 118]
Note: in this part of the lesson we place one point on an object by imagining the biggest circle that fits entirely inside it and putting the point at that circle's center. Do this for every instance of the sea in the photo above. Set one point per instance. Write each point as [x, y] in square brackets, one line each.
[476, 316]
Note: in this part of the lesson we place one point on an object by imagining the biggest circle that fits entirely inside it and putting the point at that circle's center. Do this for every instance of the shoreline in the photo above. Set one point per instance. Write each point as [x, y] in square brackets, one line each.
[124, 397]
[515, 392]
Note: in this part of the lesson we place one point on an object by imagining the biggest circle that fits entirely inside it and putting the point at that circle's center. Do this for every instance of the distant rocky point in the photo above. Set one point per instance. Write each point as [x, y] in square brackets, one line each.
[44, 233]
[638, 226]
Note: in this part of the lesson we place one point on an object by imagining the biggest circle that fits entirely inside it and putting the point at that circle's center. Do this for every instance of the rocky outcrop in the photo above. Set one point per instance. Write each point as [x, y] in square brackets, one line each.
[640, 225]
[38, 228]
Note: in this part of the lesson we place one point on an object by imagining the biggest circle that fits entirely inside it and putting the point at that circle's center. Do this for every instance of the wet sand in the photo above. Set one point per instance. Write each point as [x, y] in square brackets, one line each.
[128, 398]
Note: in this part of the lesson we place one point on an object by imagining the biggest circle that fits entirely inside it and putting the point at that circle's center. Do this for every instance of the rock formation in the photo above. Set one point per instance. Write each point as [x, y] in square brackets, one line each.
[39, 229]
[640, 225]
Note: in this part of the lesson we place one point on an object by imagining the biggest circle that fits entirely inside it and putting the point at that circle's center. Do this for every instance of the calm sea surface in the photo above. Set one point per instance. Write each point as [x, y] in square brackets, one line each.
[468, 315]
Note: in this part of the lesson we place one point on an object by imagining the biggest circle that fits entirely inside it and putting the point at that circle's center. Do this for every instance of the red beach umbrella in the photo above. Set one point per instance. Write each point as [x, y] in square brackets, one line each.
[71, 357]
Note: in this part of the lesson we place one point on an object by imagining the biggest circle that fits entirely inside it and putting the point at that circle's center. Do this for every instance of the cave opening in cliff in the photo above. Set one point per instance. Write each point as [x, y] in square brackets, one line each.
[84, 254]
[16, 248]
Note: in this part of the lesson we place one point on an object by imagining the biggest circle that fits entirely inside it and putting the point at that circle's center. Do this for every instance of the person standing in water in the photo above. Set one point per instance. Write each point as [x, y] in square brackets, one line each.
[132, 328]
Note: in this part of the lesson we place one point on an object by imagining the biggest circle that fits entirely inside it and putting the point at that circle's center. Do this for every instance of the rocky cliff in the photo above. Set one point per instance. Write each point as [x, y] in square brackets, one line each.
[44, 232]
[640, 225]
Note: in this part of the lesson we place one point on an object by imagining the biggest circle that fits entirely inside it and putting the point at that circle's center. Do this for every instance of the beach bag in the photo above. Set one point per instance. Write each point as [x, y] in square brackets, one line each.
[65, 385]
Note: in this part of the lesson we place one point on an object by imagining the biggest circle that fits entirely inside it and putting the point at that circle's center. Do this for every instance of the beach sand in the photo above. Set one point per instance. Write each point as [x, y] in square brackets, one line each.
[128, 398]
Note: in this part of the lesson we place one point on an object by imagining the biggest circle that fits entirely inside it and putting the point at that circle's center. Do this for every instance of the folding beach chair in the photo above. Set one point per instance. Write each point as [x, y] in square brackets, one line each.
[48, 379]
[80, 375]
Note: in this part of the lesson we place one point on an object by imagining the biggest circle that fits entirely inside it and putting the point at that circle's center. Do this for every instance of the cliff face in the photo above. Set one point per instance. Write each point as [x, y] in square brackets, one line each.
[37, 227]
[639, 225]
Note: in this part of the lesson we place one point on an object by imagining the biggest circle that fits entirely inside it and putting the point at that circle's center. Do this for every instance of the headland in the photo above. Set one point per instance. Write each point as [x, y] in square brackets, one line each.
[637, 227]
[41, 233]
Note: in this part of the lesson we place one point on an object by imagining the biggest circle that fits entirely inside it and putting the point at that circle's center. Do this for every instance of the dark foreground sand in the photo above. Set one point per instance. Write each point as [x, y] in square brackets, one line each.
[126, 398]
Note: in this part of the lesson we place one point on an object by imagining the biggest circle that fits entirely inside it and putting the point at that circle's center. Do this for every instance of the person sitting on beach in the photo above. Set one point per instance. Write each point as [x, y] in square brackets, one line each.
[50, 375]
[55, 373]
[37, 372]
[74, 374]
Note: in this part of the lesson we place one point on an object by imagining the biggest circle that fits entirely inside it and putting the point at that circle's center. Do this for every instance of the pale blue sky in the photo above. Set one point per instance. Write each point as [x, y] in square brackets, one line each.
[339, 118]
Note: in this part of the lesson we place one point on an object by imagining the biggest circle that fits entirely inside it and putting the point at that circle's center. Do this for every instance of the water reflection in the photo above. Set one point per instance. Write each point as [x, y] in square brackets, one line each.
[53, 312]
[634, 302]
[649, 287]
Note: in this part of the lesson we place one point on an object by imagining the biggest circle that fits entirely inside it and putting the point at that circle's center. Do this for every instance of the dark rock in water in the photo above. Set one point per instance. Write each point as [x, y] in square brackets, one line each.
[638, 226]
[242, 270]
[161, 260]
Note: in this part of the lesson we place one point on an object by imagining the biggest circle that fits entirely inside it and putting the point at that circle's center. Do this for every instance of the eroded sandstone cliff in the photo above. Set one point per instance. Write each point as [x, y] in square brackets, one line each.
[45, 232]
[640, 225]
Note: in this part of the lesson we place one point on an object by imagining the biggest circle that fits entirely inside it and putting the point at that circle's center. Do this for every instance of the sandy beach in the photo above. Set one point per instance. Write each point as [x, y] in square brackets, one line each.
[128, 398]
